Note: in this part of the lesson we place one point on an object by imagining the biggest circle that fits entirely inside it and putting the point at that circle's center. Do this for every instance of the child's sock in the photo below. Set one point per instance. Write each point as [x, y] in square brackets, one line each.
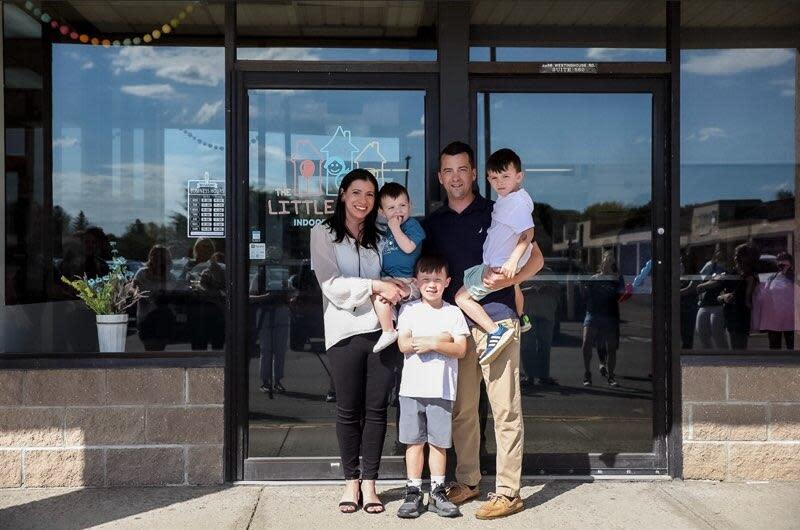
[415, 483]
[436, 481]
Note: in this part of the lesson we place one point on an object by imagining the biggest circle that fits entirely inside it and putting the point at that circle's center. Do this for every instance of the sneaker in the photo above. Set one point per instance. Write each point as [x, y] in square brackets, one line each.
[499, 506]
[330, 397]
[524, 323]
[587, 378]
[495, 342]
[267, 389]
[386, 339]
[612, 381]
[603, 370]
[459, 493]
[412, 505]
[439, 504]
[279, 388]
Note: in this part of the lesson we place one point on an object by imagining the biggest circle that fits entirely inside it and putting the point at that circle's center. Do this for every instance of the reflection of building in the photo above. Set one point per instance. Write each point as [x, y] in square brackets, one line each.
[768, 224]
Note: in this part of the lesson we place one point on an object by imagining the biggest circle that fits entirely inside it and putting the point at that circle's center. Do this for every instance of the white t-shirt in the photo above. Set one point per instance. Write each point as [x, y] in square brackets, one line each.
[430, 375]
[511, 215]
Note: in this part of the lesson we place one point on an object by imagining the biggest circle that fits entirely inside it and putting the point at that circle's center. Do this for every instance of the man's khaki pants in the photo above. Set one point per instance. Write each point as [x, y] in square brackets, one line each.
[502, 386]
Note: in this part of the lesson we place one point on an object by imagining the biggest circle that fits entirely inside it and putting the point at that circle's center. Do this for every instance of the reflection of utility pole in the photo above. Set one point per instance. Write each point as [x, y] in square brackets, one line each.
[408, 157]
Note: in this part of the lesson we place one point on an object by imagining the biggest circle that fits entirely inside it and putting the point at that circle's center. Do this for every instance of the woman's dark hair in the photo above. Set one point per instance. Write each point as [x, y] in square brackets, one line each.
[159, 260]
[336, 222]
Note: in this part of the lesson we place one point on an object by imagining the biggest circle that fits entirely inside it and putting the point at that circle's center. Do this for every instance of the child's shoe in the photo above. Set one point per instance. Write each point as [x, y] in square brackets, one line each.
[524, 323]
[412, 505]
[386, 339]
[495, 342]
[439, 504]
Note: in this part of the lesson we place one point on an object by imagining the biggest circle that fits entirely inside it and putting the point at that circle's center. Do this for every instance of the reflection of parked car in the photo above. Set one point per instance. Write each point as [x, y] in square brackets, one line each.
[305, 311]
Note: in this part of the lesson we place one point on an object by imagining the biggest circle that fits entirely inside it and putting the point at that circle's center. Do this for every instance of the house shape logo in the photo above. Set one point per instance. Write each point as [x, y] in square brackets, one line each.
[371, 159]
[339, 154]
[307, 167]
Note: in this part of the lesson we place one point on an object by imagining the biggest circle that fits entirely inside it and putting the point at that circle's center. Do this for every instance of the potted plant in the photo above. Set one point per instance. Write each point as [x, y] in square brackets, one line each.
[109, 297]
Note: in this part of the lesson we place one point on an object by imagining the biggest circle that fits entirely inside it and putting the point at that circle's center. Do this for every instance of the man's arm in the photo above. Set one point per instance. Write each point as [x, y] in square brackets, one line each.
[535, 263]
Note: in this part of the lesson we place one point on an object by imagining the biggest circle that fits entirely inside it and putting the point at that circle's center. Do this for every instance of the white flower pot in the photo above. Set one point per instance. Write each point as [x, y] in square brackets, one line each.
[111, 332]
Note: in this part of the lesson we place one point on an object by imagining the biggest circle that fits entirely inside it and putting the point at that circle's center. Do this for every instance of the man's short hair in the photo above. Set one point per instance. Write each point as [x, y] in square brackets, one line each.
[392, 190]
[431, 263]
[501, 159]
[456, 148]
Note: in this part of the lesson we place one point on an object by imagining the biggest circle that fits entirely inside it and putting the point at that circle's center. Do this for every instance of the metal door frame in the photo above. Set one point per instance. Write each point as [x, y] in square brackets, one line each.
[657, 85]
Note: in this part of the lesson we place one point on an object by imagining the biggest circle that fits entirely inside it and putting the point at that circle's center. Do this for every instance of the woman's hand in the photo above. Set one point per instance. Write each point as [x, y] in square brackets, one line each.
[388, 290]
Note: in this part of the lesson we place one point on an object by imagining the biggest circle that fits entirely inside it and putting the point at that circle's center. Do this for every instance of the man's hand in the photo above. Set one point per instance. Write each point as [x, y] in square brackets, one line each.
[495, 280]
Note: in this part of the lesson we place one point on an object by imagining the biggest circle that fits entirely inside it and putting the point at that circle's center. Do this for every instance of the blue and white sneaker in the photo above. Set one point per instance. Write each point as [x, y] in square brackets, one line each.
[495, 342]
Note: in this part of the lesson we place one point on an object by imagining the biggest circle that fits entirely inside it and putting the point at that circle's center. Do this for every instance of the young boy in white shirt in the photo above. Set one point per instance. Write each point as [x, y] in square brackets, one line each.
[506, 249]
[433, 337]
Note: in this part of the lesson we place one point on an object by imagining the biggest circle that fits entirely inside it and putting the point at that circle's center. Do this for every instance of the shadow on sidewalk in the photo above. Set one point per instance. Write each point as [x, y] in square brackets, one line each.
[74, 509]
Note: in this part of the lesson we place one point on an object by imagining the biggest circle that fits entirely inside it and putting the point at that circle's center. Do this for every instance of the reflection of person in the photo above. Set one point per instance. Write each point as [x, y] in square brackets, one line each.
[206, 276]
[400, 250]
[346, 261]
[536, 346]
[601, 323]
[710, 323]
[506, 249]
[433, 336]
[457, 230]
[737, 296]
[688, 306]
[773, 308]
[269, 298]
[154, 317]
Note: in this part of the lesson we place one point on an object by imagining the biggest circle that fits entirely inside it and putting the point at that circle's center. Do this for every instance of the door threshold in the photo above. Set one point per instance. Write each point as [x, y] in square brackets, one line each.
[525, 478]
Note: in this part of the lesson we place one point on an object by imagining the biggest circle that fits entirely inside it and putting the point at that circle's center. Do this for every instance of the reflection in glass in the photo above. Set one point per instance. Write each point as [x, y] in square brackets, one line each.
[301, 143]
[738, 170]
[592, 55]
[335, 54]
[131, 127]
[587, 362]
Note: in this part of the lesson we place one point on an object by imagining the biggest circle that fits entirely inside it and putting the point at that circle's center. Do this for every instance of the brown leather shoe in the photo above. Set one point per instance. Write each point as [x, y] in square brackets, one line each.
[459, 493]
[499, 506]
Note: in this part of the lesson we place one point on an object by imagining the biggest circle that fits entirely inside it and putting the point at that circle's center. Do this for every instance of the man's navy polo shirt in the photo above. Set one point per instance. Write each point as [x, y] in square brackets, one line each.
[458, 238]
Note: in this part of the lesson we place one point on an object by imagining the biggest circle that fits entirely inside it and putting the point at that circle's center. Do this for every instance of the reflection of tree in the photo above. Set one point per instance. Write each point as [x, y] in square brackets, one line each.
[784, 194]
[81, 223]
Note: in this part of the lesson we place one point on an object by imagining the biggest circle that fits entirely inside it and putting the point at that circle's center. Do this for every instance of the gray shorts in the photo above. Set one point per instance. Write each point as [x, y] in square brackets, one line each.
[426, 420]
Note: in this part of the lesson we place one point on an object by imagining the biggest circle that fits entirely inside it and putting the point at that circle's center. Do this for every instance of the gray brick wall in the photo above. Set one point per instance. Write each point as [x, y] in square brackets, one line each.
[109, 427]
[741, 422]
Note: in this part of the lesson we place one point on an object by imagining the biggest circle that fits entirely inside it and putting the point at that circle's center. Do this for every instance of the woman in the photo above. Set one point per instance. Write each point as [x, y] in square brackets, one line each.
[154, 317]
[710, 322]
[775, 303]
[346, 261]
[601, 324]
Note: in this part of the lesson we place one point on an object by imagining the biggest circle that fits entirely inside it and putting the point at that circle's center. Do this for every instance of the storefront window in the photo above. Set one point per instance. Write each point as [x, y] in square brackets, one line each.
[738, 174]
[112, 147]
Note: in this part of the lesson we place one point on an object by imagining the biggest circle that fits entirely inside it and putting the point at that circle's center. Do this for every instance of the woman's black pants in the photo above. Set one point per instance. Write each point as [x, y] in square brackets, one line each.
[363, 381]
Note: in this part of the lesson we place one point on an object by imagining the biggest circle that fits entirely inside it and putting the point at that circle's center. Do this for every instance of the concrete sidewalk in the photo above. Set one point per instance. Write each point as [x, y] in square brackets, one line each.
[557, 504]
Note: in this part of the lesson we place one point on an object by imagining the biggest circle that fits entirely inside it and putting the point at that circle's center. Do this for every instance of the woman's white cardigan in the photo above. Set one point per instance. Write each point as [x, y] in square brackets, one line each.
[345, 272]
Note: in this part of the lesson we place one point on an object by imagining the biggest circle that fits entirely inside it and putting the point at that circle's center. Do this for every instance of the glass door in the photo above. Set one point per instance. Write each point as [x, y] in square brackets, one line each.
[593, 364]
[301, 141]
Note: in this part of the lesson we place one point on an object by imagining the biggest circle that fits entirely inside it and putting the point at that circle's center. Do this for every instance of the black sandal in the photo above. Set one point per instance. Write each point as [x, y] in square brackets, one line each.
[352, 507]
[374, 505]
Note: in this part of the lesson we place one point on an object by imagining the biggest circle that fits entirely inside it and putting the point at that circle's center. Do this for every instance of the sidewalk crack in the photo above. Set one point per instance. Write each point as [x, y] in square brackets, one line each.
[255, 507]
[706, 522]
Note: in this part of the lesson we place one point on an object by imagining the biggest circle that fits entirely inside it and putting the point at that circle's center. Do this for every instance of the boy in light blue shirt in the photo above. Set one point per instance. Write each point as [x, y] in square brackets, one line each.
[399, 252]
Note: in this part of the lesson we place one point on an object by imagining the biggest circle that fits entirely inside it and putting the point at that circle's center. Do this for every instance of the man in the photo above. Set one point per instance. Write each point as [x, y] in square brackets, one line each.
[457, 231]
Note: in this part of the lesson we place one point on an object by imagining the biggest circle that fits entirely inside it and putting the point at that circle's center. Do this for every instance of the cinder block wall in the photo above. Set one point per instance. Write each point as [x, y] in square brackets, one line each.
[111, 427]
[741, 422]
